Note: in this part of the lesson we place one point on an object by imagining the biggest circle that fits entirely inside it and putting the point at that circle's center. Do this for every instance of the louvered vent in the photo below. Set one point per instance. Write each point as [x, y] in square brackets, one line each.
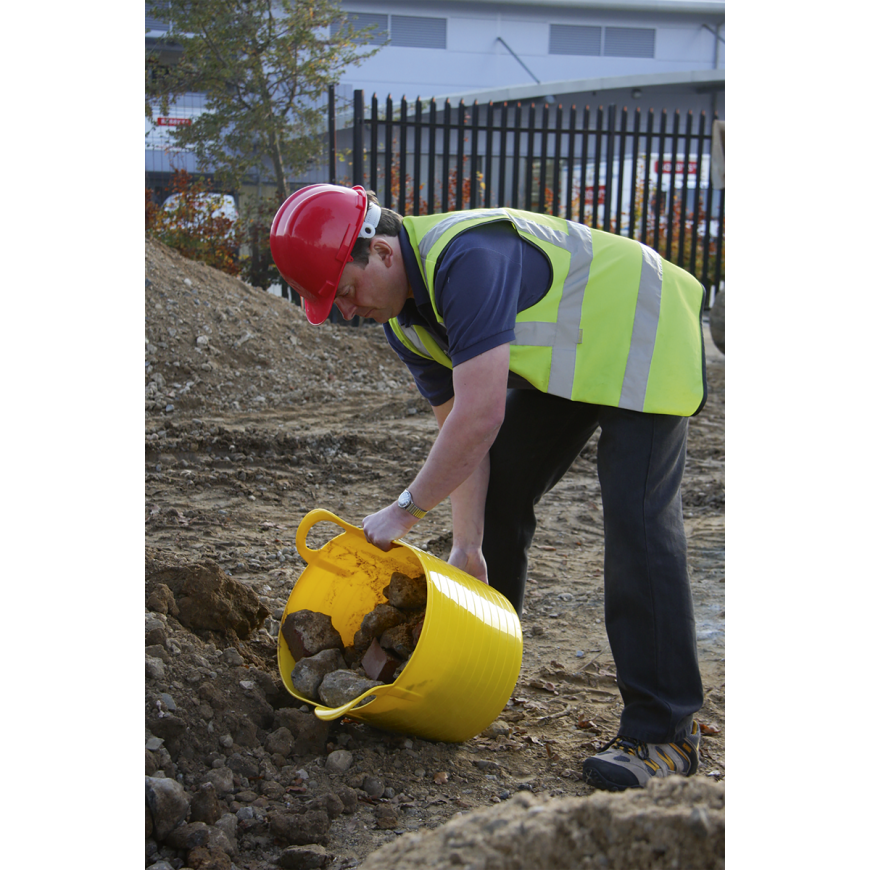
[157, 16]
[359, 20]
[629, 42]
[411, 31]
[575, 39]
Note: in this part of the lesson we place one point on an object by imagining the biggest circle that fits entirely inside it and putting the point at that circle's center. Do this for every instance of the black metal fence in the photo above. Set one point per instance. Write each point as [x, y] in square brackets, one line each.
[645, 177]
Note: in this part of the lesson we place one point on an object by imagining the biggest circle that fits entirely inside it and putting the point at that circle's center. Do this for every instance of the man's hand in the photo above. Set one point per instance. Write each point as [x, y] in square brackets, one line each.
[470, 561]
[387, 525]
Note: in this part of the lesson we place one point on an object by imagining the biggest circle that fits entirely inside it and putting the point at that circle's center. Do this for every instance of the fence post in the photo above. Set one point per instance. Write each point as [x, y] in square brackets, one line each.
[331, 112]
[358, 123]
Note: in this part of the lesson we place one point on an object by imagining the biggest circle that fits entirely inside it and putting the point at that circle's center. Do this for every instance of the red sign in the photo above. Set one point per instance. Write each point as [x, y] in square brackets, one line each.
[173, 122]
[668, 167]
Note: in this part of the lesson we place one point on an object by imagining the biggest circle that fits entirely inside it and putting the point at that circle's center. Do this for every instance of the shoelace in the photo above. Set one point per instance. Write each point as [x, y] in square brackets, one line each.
[629, 745]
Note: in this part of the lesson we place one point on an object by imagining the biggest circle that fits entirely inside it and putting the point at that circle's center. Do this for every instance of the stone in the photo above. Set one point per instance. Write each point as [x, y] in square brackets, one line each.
[341, 687]
[330, 803]
[169, 804]
[202, 858]
[161, 600]
[204, 805]
[232, 657]
[308, 633]
[154, 669]
[309, 672]
[222, 779]
[406, 593]
[348, 797]
[243, 765]
[280, 741]
[300, 829]
[310, 733]
[339, 761]
[378, 663]
[400, 640]
[373, 787]
[209, 600]
[375, 623]
[188, 836]
[311, 857]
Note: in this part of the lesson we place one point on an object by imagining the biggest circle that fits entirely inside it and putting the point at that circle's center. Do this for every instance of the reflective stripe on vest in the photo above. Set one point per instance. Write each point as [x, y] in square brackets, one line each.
[622, 364]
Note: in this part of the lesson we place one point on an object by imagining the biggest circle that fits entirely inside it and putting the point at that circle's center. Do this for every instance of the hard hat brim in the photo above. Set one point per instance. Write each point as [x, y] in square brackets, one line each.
[318, 311]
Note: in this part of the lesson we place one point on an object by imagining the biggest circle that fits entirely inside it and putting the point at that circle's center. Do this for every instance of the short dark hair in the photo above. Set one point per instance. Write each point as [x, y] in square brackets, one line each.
[389, 225]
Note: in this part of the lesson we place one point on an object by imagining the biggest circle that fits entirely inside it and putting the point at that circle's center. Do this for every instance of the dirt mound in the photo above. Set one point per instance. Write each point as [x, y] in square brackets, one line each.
[253, 418]
[214, 343]
[671, 823]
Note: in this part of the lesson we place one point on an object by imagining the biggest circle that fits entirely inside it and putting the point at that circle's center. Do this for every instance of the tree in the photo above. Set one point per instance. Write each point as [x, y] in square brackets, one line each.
[262, 65]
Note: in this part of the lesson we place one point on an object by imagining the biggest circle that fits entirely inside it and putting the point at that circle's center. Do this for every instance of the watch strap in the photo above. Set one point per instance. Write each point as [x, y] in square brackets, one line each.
[410, 507]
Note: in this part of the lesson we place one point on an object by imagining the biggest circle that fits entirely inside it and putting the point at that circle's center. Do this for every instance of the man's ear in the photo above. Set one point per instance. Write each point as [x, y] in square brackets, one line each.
[383, 249]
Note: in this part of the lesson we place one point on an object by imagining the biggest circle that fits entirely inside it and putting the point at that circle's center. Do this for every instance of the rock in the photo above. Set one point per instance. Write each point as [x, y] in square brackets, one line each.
[341, 687]
[406, 593]
[204, 806]
[232, 657]
[209, 600]
[375, 623]
[310, 733]
[339, 761]
[330, 803]
[309, 672]
[400, 640]
[373, 787]
[280, 741]
[310, 857]
[348, 797]
[222, 779]
[169, 804]
[379, 664]
[151, 766]
[154, 669]
[300, 829]
[654, 827]
[386, 816]
[161, 600]
[243, 765]
[155, 633]
[308, 633]
[202, 858]
[189, 836]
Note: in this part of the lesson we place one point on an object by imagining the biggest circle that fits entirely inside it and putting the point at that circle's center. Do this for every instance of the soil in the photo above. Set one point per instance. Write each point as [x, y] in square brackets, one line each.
[253, 418]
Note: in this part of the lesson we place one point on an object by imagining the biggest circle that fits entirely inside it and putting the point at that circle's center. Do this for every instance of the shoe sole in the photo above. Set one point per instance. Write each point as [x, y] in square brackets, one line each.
[596, 780]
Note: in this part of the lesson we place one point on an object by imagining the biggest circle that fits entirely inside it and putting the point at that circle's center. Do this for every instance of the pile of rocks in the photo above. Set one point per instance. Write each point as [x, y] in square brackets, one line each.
[382, 646]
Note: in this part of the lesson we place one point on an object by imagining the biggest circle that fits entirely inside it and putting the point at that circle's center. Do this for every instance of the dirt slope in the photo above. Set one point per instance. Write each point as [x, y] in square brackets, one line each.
[253, 418]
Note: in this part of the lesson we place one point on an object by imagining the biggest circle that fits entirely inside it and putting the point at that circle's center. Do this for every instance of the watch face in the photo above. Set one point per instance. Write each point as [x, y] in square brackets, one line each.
[405, 499]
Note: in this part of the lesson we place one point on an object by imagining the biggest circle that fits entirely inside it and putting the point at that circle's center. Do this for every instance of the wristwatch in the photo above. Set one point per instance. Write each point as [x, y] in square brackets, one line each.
[406, 503]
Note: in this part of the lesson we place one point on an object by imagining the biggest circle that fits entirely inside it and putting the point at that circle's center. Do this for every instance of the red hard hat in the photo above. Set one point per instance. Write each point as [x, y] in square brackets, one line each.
[312, 237]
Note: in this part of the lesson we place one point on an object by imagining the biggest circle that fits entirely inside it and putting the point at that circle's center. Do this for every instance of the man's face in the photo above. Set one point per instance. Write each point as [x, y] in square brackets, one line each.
[377, 291]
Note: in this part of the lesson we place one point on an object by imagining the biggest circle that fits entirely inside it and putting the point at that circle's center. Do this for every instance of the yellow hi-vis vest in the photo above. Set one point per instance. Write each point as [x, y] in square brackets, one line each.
[619, 325]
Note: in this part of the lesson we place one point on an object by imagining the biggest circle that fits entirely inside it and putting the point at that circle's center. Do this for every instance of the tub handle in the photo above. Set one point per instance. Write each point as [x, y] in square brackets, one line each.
[327, 714]
[316, 516]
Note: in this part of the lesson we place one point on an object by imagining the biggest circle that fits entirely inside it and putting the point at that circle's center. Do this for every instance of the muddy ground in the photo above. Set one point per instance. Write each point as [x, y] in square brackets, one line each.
[253, 418]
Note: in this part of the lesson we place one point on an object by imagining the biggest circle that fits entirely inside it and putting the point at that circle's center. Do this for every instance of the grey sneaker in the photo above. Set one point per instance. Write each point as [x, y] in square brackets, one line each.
[627, 763]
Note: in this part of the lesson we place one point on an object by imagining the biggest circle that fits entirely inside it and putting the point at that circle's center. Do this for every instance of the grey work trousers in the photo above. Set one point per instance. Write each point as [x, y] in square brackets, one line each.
[647, 600]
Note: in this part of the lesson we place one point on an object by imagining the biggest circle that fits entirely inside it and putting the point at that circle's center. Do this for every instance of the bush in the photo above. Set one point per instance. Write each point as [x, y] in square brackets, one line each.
[195, 226]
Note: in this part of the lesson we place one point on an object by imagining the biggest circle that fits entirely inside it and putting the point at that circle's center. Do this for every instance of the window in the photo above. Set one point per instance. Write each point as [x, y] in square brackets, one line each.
[405, 31]
[629, 42]
[359, 20]
[157, 16]
[575, 39]
[415, 32]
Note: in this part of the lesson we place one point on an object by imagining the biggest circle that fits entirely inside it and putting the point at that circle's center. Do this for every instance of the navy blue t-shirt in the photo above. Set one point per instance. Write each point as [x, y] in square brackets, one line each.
[483, 278]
